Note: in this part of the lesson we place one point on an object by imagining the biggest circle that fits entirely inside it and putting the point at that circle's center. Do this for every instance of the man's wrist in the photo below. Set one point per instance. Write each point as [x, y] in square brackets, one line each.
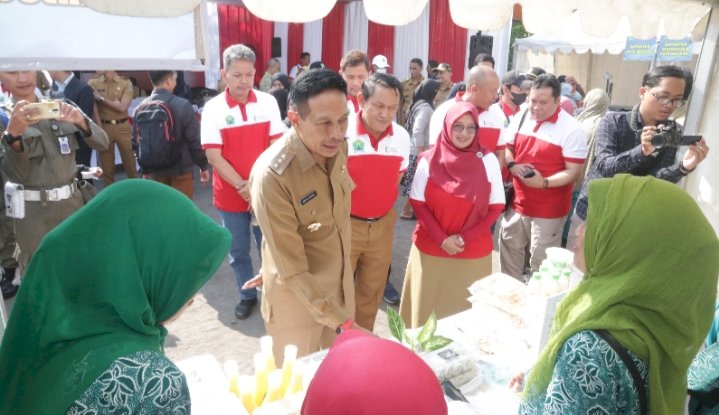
[10, 138]
[683, 170]
[511, 164]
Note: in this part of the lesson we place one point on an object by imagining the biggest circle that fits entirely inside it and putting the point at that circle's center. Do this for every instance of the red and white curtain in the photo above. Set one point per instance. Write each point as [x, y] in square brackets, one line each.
[433, 34]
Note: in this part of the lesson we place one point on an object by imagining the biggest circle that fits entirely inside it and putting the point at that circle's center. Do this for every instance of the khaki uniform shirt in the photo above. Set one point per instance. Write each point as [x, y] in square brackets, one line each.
[408, 88]
[112, 90]
[303, 209]
[442, 94]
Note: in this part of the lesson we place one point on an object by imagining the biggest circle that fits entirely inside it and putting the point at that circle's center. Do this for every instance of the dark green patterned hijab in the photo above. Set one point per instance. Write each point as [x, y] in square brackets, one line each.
[652, 264]
[99, 287]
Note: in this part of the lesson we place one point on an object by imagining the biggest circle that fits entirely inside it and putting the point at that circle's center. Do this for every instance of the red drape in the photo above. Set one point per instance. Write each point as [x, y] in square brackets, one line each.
[238, 25]
[333, 28]
[447, 41]
[380, 41]
[295, 40]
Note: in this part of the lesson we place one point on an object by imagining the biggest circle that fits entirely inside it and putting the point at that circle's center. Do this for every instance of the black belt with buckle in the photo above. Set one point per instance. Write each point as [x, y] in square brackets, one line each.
[368, 220]
[113, 122]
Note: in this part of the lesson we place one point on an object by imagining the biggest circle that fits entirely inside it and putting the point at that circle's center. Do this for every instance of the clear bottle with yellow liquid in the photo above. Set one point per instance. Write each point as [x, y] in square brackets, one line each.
[247, 387]
[266, 349]
[296, 383]
[232, 372]
[274, 388]
[287, 366]
[261, 377]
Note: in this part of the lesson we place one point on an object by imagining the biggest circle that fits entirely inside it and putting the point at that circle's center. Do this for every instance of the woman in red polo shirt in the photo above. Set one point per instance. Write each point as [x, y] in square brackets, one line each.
[456, 194]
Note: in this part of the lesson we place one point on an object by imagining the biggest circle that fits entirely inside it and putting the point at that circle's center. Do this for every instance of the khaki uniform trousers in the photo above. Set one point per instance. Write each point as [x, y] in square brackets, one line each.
[518, 231]
[371, 257]
[120, 134]
[182, 183]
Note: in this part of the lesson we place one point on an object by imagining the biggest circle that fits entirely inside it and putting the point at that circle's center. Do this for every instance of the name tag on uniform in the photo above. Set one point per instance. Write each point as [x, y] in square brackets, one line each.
[64, 145]
[309, 196]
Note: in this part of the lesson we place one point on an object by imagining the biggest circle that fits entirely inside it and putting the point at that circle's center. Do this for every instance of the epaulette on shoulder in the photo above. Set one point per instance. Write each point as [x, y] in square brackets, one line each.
[280, 162]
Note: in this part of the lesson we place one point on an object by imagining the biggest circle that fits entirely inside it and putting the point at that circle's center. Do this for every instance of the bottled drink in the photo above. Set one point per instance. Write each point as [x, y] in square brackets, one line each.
[261, 374]
[266, 349]
[287, 366]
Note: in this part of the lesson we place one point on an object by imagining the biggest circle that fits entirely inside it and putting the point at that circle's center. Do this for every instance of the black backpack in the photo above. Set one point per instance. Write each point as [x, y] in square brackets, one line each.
[154, 135]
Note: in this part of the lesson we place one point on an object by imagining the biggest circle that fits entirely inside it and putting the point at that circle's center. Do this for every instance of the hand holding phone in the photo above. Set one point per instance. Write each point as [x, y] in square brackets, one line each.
[44, 110]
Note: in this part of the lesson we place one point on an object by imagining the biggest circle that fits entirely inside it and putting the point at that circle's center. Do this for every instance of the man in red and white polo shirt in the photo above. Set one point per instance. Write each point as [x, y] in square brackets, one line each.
[482, 85]
[545, 156]
[378, 157]
[355, 69]
[237, 126]
[511, 97]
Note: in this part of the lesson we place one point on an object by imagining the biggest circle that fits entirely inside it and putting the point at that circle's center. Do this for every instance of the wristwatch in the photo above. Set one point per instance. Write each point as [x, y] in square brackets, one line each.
[510, 165]
[9, 138]
[345, 326]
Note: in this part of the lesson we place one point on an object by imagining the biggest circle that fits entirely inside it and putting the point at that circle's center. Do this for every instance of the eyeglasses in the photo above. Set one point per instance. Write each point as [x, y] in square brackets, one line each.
[676, 103]
[459, 128]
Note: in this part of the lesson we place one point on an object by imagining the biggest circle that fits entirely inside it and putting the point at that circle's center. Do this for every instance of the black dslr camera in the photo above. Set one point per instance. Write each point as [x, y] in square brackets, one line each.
[672, 136]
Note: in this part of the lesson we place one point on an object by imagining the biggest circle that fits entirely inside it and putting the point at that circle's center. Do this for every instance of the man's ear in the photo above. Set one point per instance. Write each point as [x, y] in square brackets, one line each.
[223, 74]
[642, 91]
[294, 118]
[360, 99]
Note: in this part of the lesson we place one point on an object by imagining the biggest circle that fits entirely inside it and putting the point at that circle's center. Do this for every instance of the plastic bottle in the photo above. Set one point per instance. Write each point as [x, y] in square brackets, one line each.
[287, 366]
[535, 284]
[551, 284]
[296, 383]
[261, 374]
[274, 387]
[247, 393]
[232, 372]
[565, 279]
[266, 350]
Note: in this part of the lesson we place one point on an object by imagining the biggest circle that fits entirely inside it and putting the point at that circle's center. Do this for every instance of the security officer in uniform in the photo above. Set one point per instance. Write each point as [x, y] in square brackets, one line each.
[300, 193]
[7, 236]
[113, 94]
[39, 162]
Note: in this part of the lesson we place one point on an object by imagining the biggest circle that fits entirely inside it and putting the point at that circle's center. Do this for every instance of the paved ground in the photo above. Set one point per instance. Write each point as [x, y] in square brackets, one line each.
[209, 325]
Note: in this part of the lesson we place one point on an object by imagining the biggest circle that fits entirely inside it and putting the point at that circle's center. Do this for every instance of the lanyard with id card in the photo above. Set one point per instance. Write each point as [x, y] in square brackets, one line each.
[64, 144]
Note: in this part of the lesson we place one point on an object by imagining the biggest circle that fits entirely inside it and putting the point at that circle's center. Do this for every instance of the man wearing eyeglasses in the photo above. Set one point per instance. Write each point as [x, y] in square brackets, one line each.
[624, 143]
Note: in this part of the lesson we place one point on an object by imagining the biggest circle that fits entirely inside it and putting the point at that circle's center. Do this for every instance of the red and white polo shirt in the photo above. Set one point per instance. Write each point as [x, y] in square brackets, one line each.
[352, 106]
[452, 212]
[242, 132]
[374, 164]
[547, 145]
[504, 112]
[490, 125]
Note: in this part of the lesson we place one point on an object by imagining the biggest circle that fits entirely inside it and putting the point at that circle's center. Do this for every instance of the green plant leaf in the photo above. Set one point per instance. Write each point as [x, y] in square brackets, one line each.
[435, 343]
[396, 325]
[428, 329]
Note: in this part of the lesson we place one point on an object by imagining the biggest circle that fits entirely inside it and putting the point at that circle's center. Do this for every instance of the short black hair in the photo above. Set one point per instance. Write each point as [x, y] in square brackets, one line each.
[548, 80]
[158, 77]
[654, 77]
[383, 80]
[418, 61]
[562, 78]
[432, 63]
[688, 82]
[483, 57]
[312, 83]
[304, 55]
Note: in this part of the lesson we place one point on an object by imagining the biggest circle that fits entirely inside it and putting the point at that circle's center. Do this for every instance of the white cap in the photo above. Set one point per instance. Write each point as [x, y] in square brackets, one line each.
[380, 61]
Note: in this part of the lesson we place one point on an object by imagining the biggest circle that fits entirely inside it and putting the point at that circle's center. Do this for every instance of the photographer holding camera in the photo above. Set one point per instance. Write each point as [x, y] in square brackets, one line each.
[644, 141]
[37, 158]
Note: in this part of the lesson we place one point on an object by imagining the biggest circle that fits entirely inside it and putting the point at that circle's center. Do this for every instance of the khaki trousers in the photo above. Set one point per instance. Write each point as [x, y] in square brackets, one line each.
[120, 134]
[182, 183]
[371, 257]
[518, 231]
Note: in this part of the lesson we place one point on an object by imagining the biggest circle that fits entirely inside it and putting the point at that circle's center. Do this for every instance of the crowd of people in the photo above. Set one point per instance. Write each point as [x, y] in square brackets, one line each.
[308, 167]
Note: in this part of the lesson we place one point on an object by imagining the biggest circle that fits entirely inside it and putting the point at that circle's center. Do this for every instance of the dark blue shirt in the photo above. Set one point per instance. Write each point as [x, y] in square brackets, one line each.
[618, 150]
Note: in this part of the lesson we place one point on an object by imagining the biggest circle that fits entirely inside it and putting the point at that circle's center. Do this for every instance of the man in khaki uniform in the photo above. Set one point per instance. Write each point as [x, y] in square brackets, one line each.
[113, 94]
[301, 193]
[40, 156]
[408, 87]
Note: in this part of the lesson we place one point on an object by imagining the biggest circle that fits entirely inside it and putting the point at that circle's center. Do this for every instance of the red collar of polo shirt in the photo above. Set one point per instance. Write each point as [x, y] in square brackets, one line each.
[552, 119]
[507, 110]
[354, 101]
[458, 98]
[374, 141]
[232, 102]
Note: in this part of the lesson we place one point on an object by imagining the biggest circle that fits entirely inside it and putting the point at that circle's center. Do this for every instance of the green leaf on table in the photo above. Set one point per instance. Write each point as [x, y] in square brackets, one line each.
[435, 343]
[396, 325]
[428, 329]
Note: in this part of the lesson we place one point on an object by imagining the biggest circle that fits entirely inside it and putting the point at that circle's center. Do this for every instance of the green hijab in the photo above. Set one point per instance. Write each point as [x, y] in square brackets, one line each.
[652, 264]
[99, 287]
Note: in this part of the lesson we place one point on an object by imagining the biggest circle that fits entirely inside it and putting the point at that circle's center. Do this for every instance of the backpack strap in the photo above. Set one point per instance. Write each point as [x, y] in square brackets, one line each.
[631, 366]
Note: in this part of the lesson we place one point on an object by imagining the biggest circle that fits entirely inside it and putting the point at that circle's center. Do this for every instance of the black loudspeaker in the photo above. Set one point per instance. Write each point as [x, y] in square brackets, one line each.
[479, 44]
[276, 47]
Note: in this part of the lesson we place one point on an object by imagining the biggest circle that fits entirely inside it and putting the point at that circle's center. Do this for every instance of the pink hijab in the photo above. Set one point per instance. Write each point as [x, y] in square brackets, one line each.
[460, 171]
[363, 374]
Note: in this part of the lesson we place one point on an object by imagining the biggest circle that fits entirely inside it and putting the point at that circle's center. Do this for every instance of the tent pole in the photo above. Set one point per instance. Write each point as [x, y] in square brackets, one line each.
[704, 73]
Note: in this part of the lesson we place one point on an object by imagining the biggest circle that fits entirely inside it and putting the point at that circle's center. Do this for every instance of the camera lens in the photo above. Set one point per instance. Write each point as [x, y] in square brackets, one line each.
[659, 140]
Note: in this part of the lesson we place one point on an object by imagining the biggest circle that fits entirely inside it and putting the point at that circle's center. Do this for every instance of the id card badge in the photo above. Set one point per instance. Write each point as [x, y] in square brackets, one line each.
[14, 200]
[64, 144]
